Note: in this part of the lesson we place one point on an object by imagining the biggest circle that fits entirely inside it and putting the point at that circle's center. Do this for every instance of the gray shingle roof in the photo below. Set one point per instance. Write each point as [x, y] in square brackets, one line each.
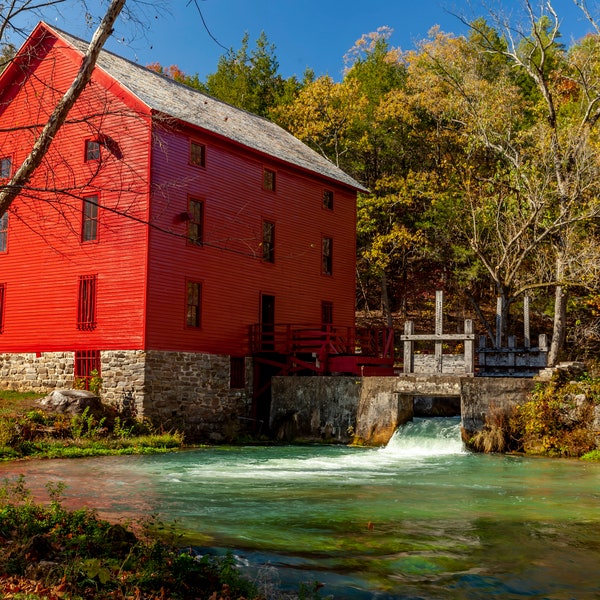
[162, 94]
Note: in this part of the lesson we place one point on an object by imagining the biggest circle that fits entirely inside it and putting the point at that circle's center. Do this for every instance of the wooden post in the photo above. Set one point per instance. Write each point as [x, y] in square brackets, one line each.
[499, 323]
[469, 349]
[409, 359]
[439, 304]
[526, 336]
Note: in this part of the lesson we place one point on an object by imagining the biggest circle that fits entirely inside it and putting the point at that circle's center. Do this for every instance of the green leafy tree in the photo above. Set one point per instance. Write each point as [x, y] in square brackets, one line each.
[250, 79]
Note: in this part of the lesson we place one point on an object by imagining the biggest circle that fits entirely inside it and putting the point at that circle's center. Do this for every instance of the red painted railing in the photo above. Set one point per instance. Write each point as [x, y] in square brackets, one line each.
[324, 344]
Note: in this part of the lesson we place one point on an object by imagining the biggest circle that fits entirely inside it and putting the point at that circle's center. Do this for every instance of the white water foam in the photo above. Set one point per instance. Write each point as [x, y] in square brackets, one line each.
[438, 436]
[421, 438]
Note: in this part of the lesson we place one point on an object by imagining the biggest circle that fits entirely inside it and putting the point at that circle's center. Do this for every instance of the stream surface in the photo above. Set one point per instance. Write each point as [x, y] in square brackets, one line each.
[420, 518]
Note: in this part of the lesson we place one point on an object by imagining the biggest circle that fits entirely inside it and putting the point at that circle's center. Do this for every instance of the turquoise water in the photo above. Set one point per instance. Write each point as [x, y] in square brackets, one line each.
[420, 518]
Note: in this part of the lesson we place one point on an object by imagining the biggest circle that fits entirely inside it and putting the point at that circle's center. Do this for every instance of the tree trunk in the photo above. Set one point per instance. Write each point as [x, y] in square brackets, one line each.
[481, 316]
[559, 330]
[385, 302]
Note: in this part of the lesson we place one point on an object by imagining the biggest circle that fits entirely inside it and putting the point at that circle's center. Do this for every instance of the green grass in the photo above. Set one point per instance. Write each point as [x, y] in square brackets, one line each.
[27, 431]
[594, 455]
[12, 402]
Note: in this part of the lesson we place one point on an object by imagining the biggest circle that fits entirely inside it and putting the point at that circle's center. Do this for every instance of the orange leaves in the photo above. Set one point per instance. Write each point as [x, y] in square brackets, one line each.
[13, 587]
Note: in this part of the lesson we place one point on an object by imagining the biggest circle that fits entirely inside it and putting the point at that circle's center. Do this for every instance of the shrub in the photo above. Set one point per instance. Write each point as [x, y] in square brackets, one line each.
[556, 421]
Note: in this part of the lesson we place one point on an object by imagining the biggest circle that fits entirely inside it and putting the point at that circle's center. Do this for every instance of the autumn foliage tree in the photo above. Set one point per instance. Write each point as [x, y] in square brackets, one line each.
[481, 153]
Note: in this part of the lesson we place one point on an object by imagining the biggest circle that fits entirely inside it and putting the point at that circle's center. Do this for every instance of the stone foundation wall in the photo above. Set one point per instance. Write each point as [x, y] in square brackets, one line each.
[37, 372]
[191, 392]
[329, 408]
[483, 396]
[314, 408]
[123, 375]
[176, 390]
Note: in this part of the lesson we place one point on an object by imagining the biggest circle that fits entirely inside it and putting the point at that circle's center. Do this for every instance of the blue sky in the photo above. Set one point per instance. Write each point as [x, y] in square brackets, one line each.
[306, 33]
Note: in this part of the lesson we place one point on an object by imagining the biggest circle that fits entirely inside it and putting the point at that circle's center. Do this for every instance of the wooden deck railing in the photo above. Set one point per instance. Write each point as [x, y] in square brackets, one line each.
[321, 340]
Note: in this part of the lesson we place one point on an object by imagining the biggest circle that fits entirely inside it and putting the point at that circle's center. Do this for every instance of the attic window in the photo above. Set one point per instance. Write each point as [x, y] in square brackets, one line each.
[92, 150]
[5, 168]
[328, 199]
[268, 180]
[197, 154]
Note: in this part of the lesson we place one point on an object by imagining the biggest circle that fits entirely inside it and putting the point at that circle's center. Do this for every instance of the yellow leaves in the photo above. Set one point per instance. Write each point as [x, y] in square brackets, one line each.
[403, 190]
[397, 240]
[445, 80]
[324, 111]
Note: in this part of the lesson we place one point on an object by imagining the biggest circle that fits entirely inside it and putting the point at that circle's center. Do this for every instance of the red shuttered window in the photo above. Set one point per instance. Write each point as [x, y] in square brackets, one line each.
[237, 372]
[86, 302]
[327, 313]
[87, 365]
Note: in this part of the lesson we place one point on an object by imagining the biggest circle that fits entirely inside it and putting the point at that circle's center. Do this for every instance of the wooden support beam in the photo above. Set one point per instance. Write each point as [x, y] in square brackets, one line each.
[439, 311]
[428, 337]
[526, 335]
[469, 348]
[499, 322]
[409, 355]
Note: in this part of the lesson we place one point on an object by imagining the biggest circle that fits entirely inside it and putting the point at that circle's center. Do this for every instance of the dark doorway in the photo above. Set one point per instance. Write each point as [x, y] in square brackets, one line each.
[267, 322]
[326, 313]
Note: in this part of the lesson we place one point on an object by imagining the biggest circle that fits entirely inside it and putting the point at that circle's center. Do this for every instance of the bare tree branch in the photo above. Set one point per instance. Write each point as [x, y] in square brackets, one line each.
[22, 175]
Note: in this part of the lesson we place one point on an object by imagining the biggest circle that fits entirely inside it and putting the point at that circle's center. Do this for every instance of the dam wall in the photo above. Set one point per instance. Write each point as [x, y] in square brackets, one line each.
[367, 410]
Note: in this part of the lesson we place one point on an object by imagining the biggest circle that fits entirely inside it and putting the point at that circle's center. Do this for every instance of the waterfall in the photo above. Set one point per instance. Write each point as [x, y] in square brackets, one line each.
[427, 437]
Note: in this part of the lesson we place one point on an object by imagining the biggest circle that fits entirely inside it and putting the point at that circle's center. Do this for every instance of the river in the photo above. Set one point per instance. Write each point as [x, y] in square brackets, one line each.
[420, 518]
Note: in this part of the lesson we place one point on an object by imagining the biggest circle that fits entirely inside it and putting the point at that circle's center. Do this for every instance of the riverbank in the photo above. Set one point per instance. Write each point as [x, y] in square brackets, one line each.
[561, 419]
[28, 430]
[49, 553]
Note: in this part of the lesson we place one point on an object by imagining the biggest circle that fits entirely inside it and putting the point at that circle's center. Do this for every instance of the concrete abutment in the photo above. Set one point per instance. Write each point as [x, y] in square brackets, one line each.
[368, 410]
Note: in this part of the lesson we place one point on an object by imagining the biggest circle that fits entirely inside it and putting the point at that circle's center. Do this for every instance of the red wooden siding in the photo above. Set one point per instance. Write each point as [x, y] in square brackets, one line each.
[230, 262]
[45, 255]
[141, 271]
